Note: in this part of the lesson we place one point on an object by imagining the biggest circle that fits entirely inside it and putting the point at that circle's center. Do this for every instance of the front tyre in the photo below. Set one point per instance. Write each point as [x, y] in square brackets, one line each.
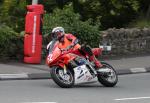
[108, 79]
[64, 80]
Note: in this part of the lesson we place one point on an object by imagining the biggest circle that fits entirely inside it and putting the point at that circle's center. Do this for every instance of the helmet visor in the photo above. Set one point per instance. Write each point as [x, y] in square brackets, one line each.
[56, 34]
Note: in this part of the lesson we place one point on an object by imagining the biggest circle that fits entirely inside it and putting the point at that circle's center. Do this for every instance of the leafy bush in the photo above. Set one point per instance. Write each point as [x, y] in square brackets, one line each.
[72, 24]
[10, 45]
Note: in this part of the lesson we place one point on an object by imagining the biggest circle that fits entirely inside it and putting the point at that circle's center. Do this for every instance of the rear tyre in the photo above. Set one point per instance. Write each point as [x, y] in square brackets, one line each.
[62, 79]
[108, 79]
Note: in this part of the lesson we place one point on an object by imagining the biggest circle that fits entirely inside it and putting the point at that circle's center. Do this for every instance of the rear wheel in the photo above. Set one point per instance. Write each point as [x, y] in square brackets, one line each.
[109, 79]
[64, 80]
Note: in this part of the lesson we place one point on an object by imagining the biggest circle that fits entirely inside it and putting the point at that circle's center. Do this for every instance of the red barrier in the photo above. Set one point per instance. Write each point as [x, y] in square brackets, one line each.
[33, 34]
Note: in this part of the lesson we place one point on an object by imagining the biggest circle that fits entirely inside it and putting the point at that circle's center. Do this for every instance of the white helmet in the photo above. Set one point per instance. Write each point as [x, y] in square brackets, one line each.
[58, 32]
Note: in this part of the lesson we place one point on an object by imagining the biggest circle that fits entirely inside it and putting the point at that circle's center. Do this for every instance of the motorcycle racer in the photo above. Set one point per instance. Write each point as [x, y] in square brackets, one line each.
[67, 41]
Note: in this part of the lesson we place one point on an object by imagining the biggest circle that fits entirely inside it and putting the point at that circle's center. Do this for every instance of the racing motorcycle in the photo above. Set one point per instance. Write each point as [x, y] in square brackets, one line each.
[67, 68]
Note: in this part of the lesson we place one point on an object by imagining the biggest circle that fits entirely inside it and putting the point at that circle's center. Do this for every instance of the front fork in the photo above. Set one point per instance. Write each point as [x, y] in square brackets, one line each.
[65, 69]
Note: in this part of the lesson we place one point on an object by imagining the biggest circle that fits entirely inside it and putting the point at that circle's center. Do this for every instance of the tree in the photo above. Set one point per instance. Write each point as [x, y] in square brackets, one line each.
[6, 6]
[113, 13]
[145, 7]
[13, 14]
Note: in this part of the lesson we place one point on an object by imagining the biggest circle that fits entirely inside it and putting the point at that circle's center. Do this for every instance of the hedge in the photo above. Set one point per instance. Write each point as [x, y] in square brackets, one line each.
[11, 44]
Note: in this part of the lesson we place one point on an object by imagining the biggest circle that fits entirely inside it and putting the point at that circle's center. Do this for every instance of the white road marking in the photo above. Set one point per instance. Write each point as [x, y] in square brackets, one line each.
[39, 102]
[135, 98]
[5, 76]
[137, 70]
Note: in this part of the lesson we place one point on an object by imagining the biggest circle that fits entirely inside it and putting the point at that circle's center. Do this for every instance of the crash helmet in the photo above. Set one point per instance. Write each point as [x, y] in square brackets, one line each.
[58, 32]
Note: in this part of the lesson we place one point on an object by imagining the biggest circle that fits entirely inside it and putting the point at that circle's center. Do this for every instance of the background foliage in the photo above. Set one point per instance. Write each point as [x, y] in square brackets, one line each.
[72, 24]
[84, 18]
[10, 43]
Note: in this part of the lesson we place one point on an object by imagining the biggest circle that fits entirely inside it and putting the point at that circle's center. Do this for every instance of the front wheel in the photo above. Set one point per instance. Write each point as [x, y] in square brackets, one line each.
[64, 80]
[109, 79]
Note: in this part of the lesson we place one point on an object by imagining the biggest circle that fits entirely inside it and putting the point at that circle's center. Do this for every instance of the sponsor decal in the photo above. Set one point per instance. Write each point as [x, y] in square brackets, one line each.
[34, 34]
[78, 68]
[80, 76]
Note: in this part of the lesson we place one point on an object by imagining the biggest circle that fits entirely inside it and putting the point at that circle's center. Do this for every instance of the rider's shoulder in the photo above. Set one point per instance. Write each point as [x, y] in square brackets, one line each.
[69, 35]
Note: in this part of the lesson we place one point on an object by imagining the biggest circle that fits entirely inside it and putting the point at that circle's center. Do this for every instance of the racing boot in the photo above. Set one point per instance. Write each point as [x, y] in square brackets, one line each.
[96, 62]
[99, 67]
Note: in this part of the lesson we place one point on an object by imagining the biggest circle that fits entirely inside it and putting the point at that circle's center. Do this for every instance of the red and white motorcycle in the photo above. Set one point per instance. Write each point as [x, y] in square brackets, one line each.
[68, 68]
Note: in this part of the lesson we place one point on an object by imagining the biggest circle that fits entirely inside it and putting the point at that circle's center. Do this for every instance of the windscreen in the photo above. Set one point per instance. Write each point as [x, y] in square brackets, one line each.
[52, 45]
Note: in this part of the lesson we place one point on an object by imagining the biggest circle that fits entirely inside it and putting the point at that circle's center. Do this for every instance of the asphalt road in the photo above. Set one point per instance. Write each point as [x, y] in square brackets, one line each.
[133, 88]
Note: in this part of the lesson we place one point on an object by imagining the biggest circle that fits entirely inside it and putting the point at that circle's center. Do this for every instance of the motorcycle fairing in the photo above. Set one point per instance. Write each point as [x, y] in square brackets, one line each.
[82, 75]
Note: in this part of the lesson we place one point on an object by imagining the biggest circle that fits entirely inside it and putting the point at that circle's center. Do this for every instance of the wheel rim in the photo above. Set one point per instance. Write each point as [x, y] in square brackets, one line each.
[66, 78]
[111, 76]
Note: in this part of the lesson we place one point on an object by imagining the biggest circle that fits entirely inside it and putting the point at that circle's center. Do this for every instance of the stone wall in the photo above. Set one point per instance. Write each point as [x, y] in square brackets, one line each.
[127, 41]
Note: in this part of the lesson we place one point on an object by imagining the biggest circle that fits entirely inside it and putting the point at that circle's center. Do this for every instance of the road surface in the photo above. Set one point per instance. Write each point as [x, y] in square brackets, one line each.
[133, 88]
